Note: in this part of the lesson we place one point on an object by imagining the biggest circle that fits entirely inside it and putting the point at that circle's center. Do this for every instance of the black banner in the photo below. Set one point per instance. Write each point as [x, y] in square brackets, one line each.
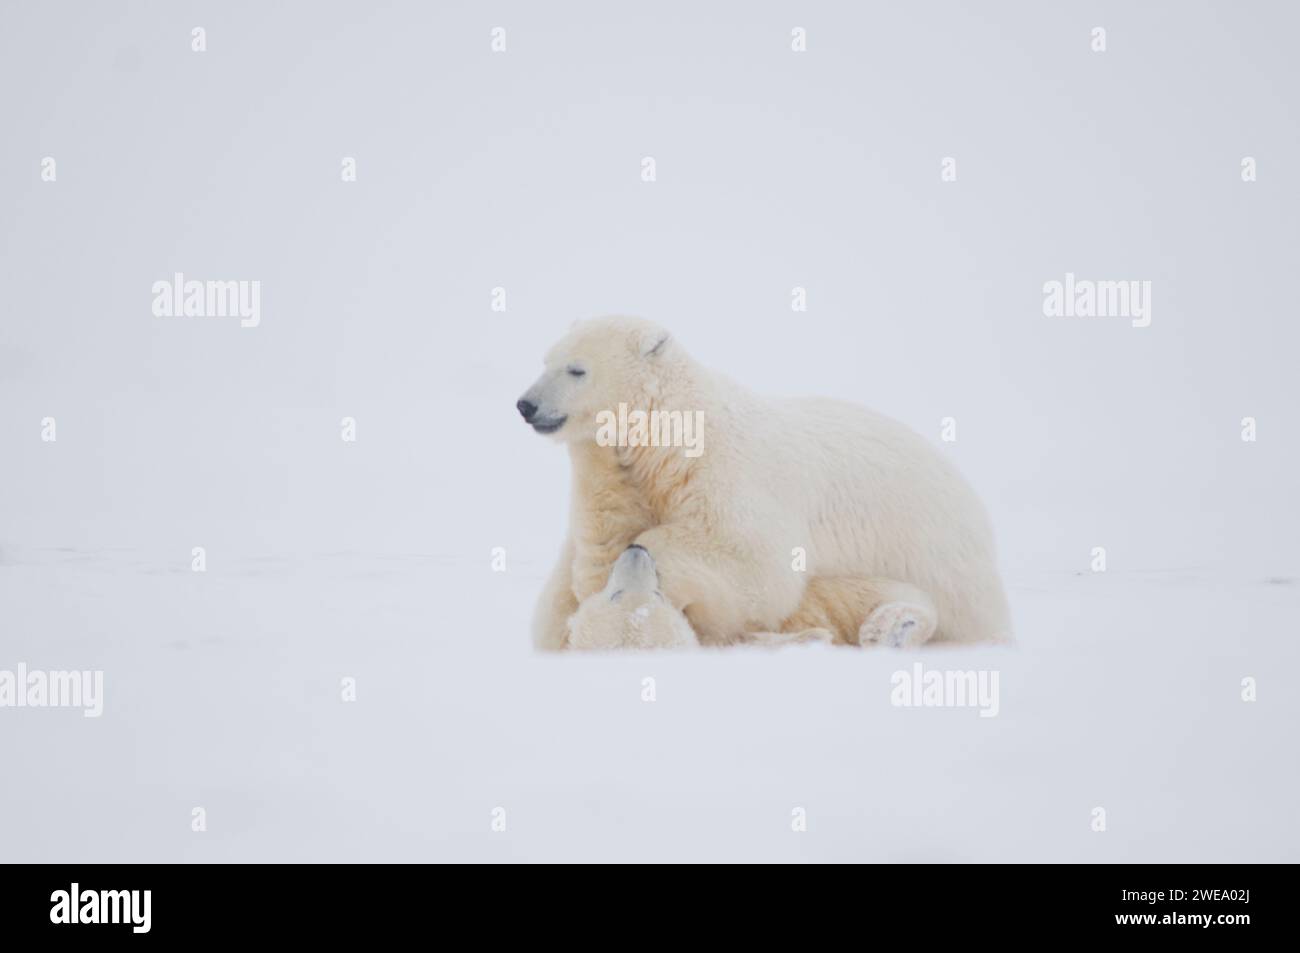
[207, 903]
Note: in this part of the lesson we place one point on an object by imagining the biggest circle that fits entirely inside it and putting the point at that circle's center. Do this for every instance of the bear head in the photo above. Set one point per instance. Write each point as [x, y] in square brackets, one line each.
[597, 366]
[630, 612]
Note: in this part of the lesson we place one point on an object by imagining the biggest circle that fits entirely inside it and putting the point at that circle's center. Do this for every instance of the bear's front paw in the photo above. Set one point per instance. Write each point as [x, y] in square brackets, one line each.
[899, 625]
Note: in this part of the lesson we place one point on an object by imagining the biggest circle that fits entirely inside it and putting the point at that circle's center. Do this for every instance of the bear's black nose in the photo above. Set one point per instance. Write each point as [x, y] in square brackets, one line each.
[529, 410]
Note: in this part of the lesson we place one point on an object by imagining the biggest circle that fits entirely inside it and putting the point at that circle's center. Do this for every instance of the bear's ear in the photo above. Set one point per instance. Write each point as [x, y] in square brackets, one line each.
[652, 343]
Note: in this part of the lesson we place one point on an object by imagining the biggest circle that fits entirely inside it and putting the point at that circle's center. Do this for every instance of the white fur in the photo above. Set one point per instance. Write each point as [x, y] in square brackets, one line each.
[630, 612]
[860, 493]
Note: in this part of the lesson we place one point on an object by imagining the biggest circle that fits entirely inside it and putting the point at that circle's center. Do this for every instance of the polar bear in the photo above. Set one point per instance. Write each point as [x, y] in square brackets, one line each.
[631, 612]
[861, 496]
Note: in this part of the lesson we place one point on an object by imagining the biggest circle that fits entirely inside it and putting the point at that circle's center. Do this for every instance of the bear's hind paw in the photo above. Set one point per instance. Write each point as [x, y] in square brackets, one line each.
[898, 625]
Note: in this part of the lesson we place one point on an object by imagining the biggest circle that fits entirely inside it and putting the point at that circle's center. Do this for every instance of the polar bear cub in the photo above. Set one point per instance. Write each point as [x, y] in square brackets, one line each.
[630, 612]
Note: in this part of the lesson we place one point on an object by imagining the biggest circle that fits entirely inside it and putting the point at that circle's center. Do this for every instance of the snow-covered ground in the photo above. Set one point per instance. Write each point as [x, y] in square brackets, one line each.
[222, 691]
[784, 176]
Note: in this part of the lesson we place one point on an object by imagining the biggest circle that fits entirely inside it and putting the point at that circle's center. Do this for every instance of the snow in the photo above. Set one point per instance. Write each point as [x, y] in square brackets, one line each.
[373, 559]
[223, 692]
